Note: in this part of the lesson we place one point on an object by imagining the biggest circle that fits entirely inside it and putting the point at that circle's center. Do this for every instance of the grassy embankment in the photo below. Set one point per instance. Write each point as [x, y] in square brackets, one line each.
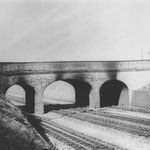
[16, 133]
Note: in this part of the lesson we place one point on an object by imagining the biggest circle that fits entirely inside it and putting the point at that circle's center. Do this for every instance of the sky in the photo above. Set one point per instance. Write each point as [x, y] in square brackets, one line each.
[74, 30]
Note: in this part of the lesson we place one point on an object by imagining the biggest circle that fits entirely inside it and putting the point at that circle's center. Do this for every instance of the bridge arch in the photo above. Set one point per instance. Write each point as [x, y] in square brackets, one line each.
[16, 94]
[82, 91]
[66, 93]
[58, 94]
[22, 93]
[114, 92]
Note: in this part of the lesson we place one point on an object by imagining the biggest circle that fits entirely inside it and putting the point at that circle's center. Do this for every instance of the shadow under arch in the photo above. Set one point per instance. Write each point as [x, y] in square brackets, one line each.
[81, 95]
[114, 92]
[82, 91]
[29, 97]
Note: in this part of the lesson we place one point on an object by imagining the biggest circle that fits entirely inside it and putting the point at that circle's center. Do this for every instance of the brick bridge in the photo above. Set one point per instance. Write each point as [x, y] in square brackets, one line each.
[107, 82]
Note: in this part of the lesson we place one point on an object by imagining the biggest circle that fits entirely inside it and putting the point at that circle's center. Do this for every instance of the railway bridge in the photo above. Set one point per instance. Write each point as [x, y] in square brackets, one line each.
[101, 83]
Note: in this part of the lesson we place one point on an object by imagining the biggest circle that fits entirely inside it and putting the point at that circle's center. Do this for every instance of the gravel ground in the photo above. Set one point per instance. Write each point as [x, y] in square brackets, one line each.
[122, 139]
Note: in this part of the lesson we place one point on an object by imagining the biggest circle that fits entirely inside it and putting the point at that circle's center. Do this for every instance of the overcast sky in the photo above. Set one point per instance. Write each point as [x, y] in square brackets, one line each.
[62, 30]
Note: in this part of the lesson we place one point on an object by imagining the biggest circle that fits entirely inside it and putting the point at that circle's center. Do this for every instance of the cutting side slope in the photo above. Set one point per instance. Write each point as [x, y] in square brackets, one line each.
[16, 133]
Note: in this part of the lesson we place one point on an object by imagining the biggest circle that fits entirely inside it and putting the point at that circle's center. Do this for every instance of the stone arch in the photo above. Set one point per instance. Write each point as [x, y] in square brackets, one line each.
[82, 91]
[28, 95]
[79, 98]
[114, 92]
[16, 94]
[58, 94]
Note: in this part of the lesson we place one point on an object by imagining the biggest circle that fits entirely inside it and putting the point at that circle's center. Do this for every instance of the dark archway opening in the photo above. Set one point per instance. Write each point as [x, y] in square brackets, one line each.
[64, 94]
[30, 97]
[22, 96]
[114, 92]
[82, 91]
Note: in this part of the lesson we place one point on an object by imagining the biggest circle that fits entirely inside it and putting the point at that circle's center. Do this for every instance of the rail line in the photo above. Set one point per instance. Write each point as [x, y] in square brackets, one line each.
[135, 109]
[107, 122]
[73, 138]
[104, 113]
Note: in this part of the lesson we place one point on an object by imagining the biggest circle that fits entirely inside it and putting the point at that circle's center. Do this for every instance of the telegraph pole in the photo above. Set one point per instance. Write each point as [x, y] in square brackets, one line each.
[142, 53]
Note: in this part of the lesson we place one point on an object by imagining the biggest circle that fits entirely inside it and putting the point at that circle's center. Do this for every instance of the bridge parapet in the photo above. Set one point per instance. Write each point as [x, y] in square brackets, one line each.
[62, 67]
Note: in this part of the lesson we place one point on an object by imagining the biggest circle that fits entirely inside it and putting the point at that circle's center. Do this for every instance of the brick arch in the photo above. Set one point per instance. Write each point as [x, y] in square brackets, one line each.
[29, 96]
[82, 91]
[81, 88]
[16, 94]
[114, 92]
[58, 94]
[57, 86]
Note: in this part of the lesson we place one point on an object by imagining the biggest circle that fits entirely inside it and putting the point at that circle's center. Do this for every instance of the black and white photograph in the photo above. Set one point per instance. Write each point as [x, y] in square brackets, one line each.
[74, 75]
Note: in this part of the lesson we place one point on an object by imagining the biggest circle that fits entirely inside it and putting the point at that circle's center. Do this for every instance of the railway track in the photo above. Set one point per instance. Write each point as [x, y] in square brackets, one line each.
[73, 138]
[115, 116]
[108, 122]
[16, 99]
[135, 109]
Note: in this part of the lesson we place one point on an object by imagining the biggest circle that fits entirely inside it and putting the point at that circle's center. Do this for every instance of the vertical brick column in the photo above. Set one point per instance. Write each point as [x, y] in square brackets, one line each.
[39, 105]
[94, 97]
